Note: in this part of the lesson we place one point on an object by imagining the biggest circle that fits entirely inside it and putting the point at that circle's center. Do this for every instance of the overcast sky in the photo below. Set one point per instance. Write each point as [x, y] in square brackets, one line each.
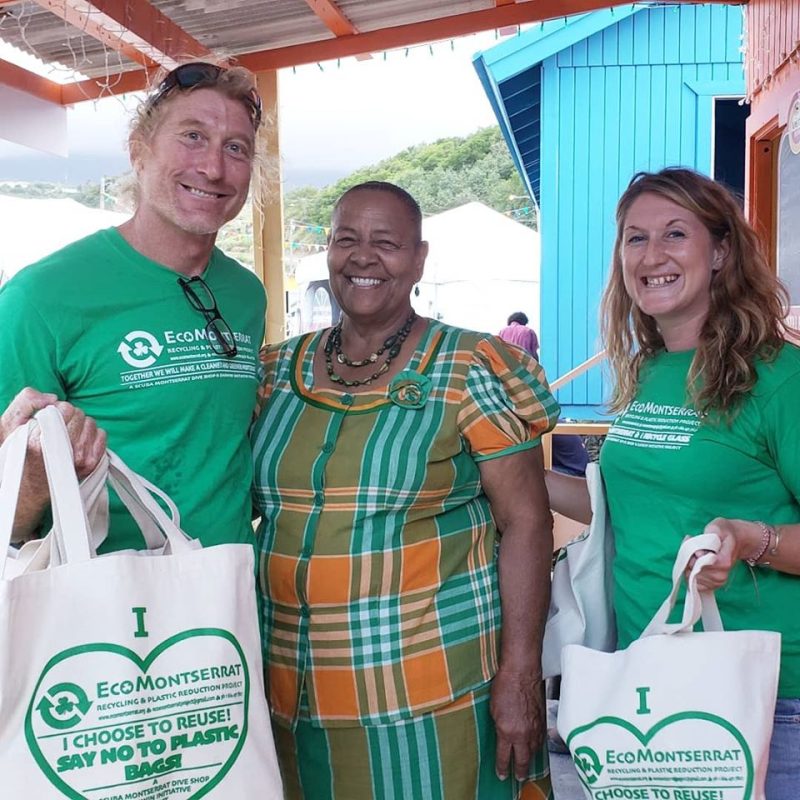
[334, 117]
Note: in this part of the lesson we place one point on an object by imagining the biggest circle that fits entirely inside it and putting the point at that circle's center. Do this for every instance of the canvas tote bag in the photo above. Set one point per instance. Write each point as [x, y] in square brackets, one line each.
[133, 676]
[678, 715]
[581, 606]
[39, 553]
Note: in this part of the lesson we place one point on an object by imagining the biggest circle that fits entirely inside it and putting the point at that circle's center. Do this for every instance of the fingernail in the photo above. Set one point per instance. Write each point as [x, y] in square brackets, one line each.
[502, 776]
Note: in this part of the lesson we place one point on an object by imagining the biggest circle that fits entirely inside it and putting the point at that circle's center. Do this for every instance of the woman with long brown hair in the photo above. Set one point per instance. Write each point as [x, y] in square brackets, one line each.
[706, 438]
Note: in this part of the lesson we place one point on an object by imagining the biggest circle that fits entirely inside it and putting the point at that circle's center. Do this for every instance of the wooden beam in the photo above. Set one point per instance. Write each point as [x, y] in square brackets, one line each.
[504, 2]
[583, 428]
[332, 16]
[415, 33]
[166, 42]
[85, 21]
[268, 215]
[133, 81]
[136, 28]
[24, 81]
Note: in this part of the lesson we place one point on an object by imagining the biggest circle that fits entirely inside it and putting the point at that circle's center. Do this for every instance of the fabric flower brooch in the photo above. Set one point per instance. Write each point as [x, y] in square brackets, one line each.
[409, 389]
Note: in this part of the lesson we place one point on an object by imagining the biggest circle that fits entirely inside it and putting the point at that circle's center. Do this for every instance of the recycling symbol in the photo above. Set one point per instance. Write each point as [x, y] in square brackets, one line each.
[140, 349]
[588, 762]
[64, 706]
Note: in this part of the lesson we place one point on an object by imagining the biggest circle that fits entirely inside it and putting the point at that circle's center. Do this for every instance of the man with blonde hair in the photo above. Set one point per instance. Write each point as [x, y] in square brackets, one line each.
[149, 328]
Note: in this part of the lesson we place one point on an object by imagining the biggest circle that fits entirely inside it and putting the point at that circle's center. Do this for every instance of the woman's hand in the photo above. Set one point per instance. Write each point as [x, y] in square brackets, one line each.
[518, 710]
[739, 539]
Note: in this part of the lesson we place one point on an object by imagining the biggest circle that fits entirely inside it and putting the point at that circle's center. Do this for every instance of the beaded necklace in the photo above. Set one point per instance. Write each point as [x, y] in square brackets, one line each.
[393, 344]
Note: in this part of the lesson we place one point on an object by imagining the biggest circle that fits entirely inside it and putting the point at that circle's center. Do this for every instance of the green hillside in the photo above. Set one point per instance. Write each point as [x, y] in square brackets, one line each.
[442, 175]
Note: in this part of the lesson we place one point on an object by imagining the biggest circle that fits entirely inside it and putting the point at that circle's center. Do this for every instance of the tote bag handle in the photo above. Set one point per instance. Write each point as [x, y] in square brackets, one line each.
[49, 551]
[12, 458]
[70, 524]
[95, 498]
[73, 538]
[697, 604]
[136, 494]
[112, 470]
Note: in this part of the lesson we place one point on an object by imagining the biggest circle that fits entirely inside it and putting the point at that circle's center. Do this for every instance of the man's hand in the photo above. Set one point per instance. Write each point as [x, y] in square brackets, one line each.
[87, 440]
[22, 409]
[88, 445]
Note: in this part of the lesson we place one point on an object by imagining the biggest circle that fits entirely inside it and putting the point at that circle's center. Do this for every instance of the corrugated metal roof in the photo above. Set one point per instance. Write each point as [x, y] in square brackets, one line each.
[233, 27]
[367, 15]
[266, 34]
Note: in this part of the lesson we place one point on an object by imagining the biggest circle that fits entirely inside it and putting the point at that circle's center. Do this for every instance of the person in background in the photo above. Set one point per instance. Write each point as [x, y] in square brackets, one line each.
[405, 537]
[694, 322]
[568, 451]
[517, 332]
[148, 328]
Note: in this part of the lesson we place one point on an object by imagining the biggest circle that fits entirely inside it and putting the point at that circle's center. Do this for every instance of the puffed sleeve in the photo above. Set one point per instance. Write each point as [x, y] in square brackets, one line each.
[507, 404]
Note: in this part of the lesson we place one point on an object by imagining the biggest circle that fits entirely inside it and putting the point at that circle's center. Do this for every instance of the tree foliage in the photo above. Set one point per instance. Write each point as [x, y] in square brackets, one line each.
[442, 175]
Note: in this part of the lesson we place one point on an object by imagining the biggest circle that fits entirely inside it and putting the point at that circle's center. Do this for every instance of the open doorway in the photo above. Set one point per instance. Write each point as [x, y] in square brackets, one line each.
[730, 115]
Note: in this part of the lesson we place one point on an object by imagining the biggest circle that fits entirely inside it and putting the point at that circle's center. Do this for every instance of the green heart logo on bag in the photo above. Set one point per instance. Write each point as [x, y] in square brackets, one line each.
[106, 724]
[711, 760]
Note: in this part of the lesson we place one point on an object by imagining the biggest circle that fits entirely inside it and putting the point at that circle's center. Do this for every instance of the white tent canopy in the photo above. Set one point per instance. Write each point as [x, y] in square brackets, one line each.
[481, 267]
[31, 229]
[312, 268]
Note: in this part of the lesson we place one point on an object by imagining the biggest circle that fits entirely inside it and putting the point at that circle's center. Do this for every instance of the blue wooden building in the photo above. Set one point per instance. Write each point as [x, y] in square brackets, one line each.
[586, 102]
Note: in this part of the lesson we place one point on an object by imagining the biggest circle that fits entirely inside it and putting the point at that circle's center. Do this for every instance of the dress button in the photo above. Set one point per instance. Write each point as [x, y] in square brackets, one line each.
[304, 612]
[327, 447]
[319, 497]
[347, 399]
[305, 553]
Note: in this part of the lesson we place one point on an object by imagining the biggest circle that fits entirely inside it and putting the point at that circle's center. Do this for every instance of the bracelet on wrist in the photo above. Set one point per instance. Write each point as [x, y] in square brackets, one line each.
[773, 551]
[767, 533]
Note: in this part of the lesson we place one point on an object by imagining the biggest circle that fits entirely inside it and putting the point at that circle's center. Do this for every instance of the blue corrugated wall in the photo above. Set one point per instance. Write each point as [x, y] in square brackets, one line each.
[635, 96]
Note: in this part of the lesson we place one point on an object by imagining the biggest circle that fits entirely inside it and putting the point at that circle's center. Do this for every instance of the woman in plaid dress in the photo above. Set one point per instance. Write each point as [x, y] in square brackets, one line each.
[392, 454]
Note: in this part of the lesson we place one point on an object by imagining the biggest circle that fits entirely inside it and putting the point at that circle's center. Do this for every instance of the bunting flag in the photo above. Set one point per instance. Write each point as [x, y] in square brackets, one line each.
[308, 227]
[516, 213]
[294, 245]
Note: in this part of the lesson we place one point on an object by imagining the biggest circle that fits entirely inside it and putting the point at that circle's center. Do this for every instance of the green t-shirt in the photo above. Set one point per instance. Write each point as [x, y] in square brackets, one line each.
[668, 474]
[112, 332]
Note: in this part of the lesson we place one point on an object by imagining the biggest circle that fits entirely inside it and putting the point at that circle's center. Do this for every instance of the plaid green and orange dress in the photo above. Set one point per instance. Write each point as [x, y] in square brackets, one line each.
[378, 574]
